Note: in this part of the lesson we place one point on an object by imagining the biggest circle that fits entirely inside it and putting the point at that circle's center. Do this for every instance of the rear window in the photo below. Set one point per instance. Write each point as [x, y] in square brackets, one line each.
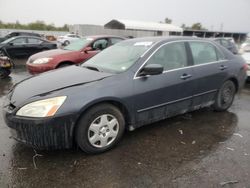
[204, 52]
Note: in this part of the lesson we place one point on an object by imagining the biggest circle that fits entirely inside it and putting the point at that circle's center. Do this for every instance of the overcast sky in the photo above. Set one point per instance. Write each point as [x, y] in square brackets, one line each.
[232, 15]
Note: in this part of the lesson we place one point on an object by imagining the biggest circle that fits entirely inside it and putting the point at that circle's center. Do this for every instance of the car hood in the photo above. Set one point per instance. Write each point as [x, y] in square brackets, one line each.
[52, 81]
[49, 53]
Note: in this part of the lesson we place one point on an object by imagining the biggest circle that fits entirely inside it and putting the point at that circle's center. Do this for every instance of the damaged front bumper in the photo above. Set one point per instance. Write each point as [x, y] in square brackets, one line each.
[42, 133]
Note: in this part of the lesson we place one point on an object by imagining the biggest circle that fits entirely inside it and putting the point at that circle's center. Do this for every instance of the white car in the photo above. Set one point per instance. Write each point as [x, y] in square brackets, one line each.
[66, 39]
[245, 47]
[246, 56]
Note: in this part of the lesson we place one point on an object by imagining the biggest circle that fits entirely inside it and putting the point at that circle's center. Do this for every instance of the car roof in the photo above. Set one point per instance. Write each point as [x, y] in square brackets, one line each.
[24, 32]
[104, 36]
[167, 39]
[34, 37]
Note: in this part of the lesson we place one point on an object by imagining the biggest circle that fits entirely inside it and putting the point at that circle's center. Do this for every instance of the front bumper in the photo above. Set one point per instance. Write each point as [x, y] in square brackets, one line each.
[36, 69]
[42, 133]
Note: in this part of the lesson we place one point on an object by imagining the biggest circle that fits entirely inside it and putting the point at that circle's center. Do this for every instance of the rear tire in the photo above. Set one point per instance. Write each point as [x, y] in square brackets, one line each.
[100, 129]
[225, 96]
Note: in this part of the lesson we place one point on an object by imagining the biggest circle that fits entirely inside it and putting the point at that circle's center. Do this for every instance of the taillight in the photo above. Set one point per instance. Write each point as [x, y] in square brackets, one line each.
[245, 67]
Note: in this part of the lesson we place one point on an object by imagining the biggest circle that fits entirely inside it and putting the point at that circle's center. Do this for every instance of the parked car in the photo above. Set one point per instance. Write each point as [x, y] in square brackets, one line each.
[246, 56]
[228, 43]
[16, 34]
[24, 46]
[133, 83]
[67, 39]
[245, 47]
[75, 53]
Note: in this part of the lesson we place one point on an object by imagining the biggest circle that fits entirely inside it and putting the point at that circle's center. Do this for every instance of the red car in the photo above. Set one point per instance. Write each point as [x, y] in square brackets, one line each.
[75, 53]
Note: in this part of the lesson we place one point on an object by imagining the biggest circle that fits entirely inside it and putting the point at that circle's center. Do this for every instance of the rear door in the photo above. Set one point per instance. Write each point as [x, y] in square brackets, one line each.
[34, 45]
[210, 70]
[167, 94]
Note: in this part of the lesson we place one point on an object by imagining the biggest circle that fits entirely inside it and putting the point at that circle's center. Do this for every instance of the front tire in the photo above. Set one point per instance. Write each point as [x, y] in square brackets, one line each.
[66, 43]
[100, 129]
[225, 96]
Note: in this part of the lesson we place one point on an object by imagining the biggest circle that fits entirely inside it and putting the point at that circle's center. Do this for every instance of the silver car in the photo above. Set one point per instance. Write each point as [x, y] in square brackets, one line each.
[66, 39]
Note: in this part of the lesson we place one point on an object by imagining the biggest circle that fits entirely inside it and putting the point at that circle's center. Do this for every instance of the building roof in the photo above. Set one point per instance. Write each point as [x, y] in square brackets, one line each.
[140, 25]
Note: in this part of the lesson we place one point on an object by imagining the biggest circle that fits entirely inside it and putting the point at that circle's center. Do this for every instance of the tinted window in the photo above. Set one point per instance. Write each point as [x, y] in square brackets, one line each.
[115, 40]
[34, 41]
[170, 56]
[203, 52]
[19, 41]
[100, 44]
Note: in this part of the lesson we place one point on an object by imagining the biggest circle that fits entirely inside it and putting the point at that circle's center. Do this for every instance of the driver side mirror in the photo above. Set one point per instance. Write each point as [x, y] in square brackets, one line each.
[151, 69]
[87, 49]
[11, 44]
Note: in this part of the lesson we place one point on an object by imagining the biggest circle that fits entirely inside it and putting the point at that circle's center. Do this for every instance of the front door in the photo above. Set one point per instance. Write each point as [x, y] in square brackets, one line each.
[17, 47]
[167, 94]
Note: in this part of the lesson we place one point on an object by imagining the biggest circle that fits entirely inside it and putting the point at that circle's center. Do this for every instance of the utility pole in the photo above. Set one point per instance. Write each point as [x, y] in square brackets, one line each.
[221, 26]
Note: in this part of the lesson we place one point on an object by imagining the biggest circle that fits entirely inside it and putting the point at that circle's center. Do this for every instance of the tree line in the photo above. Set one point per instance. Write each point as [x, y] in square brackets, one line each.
[37, 25]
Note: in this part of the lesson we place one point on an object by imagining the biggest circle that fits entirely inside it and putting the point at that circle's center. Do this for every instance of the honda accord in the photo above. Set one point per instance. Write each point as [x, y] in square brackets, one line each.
[133, 83]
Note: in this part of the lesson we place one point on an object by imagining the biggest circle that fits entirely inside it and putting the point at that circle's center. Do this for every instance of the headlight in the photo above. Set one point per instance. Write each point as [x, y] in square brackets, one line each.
[42, 60]
[42, 108]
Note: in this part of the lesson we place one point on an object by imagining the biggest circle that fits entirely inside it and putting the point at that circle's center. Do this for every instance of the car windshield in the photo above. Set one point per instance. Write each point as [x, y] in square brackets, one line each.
[78, 44]
[118, 58]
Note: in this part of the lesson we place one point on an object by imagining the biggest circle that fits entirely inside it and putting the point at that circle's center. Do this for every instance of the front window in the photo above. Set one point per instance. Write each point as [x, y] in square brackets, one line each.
[170, 56]
[78, 44]
[16, 41]
[100, 44]
[118, 58]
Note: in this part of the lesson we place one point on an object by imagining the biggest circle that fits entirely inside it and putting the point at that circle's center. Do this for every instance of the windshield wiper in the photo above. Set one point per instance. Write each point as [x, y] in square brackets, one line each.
[92, 68]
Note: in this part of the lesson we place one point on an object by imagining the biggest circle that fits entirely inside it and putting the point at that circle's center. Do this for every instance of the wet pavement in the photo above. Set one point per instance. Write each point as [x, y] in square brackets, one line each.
[199, 149]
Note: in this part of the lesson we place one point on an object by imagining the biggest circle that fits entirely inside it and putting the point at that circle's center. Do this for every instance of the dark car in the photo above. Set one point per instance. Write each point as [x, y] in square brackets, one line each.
[130, 84]
[228, 44]
[19, 33]
[76, 52]
[25, 46]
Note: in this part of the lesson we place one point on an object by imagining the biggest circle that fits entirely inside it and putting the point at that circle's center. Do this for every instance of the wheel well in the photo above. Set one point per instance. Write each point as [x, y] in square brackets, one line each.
[65, 63]
[119, 105]
[235, 81]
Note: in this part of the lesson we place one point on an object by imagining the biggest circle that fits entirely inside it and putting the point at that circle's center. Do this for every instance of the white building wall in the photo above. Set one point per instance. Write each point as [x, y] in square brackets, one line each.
[86, 30]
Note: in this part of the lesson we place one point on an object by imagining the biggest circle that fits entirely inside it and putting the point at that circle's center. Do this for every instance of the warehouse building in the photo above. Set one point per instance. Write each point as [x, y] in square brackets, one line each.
[131, 28]
[128, 28]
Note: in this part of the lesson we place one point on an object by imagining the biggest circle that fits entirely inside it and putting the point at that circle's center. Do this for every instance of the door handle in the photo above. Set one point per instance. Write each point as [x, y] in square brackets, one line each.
[186, 76]
[223, 67]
